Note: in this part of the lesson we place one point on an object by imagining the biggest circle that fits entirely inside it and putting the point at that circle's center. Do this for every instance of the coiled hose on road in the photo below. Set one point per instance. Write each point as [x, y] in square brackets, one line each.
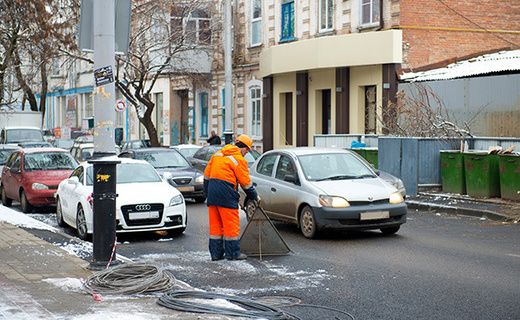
[177, 300]
[134, 278]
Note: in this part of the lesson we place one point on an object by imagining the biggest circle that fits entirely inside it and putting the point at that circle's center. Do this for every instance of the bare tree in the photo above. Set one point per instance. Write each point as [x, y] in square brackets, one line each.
[165, 38]
[32, 32]
[421, 114]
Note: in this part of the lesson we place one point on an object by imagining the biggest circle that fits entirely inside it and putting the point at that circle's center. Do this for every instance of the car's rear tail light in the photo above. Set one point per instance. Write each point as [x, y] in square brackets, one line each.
[90, 200]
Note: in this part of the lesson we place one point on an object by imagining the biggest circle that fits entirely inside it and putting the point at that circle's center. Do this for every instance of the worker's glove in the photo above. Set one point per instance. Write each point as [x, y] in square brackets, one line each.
[257, 201]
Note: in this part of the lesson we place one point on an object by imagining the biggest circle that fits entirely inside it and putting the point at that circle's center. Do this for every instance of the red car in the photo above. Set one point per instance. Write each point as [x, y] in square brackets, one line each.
[31, 176]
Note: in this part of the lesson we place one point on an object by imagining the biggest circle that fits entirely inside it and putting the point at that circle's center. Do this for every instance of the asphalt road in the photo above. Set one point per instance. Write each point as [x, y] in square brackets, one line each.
[437, 267]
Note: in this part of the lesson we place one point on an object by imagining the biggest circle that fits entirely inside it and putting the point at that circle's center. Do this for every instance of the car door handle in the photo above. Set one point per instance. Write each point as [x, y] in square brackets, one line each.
[273, 189]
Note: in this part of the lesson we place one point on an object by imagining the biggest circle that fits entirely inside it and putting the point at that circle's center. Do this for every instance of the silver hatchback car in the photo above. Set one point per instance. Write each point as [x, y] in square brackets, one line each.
[319, 188]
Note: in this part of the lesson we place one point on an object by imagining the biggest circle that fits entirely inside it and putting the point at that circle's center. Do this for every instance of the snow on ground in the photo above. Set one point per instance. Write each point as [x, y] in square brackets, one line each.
[22, 220]
[278, 278]
[47, 218]
[66, 284]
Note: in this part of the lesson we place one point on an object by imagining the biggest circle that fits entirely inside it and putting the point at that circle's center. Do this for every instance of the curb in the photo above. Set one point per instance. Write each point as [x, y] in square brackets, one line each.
[492, 215]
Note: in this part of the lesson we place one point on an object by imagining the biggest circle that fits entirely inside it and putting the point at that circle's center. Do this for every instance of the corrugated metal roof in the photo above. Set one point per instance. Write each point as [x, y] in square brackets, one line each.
[485, 64]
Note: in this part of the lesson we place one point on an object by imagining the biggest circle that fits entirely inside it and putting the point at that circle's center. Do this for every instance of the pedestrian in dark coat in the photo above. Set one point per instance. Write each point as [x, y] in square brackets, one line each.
[214, 139]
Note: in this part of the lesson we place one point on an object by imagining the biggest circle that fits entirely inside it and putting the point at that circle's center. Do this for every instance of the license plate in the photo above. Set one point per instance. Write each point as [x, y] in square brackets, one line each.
[186, 189]
[374, 215]
[143, 215]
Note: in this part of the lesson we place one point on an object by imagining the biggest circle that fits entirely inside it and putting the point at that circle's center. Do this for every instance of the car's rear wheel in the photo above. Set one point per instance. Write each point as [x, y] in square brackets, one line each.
[308, 224]
[59, 213]
[24, 203]
[81, 224]
[200, 199]
[5, 200]
[250, 209]
[390, 230]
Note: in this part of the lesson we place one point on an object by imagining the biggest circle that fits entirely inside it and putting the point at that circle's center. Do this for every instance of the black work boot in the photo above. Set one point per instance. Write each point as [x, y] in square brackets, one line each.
[241, 256]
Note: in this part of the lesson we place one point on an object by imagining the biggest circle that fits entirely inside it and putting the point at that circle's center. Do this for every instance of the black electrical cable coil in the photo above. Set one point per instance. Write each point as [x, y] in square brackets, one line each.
[134, 278]
[178, 300]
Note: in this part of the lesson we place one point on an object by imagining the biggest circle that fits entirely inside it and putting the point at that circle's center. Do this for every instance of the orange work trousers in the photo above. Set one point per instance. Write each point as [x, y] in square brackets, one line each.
[224, 223]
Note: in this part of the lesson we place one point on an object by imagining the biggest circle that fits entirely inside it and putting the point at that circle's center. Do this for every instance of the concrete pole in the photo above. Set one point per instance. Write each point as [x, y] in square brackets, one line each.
[228, 71]
[104, 95]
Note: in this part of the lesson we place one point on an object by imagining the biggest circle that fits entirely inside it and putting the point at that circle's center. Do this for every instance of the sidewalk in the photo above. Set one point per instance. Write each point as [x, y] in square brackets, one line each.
[493, 209]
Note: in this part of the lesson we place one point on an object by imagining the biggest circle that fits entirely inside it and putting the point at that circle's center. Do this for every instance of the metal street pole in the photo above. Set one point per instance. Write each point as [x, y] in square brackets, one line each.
[104, 173]
[228, 72]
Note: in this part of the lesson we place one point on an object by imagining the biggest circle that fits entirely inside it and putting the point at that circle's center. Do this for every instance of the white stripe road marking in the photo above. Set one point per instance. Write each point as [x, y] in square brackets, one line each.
[514, 255]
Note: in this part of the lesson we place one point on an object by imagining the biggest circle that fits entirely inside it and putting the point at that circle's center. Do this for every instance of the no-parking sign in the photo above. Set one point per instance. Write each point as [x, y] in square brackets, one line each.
[120, 105]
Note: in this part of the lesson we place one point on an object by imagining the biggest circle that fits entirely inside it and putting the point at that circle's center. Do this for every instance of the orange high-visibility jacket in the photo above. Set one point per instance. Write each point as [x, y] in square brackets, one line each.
[226, 170]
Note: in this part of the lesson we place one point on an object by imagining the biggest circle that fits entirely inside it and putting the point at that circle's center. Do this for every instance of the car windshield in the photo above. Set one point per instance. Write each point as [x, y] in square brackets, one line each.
[49, 161]
[35, 144]
[251, 156]
[21, 135]
[86, 153]
[4, 155]
[163, 159]
[187, 152]
[131, 173]
[333, 166]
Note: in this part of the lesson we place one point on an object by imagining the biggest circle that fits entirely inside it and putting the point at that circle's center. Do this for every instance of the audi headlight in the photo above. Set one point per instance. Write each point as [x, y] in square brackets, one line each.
[199, 179]
[333, 202]
[396, 198]
[176, 200]
[39, 186]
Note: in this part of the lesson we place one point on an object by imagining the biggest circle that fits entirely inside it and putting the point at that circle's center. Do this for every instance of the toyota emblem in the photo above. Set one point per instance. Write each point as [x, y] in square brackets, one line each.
[143, 207]
[370, 198]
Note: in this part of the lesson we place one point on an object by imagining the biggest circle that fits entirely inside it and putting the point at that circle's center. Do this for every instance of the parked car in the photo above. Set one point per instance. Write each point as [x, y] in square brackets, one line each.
[201, 157]
[15, 135]
[174, 168]
[136, 144]
[317, 188]
[31, 176]
[187, 150]
[161, 207]
[63, 143]
[42, 144]
[5, 151]
[83, 148]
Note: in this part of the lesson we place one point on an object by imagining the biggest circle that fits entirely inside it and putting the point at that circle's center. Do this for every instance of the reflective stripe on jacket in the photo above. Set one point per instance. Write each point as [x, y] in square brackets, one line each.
[226, 170]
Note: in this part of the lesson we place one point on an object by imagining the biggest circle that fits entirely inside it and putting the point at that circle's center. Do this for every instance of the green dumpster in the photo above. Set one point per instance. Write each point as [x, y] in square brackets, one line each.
[509, 176]
[452, 172]
[482, 174]
[371, 156]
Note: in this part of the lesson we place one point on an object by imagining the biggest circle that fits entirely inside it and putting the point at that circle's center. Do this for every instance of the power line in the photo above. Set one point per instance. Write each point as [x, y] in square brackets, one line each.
[476, 24]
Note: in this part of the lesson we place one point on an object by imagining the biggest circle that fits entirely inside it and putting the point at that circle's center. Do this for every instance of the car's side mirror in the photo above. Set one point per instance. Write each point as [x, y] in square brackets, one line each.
[290, 178]
[73, 180]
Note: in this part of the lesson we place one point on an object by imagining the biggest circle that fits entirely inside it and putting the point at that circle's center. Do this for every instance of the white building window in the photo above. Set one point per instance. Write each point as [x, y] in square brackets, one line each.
[326, 14]
[256, 22]
[255, 108]
[195, 25]
[370, 12]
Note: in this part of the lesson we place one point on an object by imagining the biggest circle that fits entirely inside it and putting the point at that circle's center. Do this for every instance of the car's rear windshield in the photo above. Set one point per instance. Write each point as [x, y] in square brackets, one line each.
[333, 166]
[21, 135]
[163, 159]
[49, 161]
[130, 173]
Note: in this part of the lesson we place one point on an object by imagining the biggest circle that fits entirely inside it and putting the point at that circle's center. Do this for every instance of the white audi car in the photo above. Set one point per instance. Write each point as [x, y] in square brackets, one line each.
[145, 202]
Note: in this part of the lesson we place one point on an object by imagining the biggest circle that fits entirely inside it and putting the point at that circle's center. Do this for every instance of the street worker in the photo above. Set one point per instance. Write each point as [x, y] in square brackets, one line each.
[226, 170]
[214, 139]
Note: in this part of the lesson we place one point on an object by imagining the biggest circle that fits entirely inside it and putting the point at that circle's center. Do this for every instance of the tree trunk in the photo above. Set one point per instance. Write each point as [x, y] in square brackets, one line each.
[23, 84]
[44, 89]
[147, 122]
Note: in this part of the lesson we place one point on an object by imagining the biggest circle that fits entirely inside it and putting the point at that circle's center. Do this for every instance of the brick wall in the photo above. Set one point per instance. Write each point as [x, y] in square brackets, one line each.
[425, 47]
